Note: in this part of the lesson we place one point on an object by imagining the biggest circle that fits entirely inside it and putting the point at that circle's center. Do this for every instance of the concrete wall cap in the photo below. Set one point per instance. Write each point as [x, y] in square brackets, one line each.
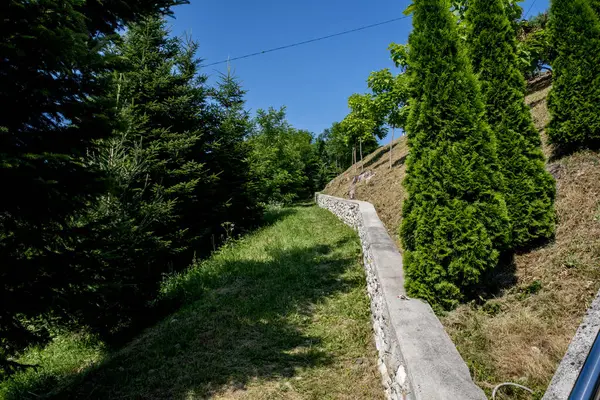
[416, 354]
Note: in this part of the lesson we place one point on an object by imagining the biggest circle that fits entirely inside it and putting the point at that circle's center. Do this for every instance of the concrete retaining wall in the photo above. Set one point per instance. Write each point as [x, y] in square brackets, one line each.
[417, 359]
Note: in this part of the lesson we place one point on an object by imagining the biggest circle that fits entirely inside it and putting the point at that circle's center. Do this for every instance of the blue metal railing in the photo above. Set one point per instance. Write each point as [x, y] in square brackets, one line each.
[588, 383]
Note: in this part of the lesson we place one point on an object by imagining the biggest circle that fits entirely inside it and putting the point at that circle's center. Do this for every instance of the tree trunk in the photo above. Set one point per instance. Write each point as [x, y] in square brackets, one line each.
[362, 166]
[391, 147]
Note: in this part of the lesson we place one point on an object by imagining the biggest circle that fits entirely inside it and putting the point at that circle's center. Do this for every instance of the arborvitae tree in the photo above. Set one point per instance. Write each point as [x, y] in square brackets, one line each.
[51, 75]
[574, 102]
[529, 189]
[455, 219]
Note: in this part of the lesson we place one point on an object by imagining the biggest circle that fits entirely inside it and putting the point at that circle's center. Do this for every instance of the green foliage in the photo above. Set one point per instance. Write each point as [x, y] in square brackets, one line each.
[54, 81]
[529, 188]
[390, 97]
[574, 102]
[595, 4]
[177, 171]
[331, 153]
[232, 195]
[534, 50]
[455, 219]
[335, 151]
[363, 123]
[125, 167]
[399, 55]
[282, 159]
[155, 168]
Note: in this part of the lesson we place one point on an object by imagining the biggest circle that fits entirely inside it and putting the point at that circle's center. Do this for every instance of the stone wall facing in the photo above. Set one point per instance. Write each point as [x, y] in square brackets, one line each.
[417, 359]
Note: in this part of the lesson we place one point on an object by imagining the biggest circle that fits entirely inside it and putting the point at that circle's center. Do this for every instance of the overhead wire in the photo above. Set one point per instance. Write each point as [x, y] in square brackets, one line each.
[530, 7]
[258, 53]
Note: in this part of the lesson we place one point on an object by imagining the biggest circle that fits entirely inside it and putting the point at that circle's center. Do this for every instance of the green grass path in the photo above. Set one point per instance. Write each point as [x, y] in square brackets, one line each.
[279, 314]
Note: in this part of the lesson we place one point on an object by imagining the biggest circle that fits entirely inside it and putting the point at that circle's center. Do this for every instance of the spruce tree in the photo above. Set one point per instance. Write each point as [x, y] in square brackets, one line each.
[574, 102]
[455, 219]
[228, 158]
[596, 6]
[529, 188]
[169, 101]
[52, 75]
[153, 214]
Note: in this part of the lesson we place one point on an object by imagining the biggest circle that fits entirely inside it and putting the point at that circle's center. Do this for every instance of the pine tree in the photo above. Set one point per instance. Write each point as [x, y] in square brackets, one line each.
[455, 218]
[52, 73]
[530, 190]
[574, 102]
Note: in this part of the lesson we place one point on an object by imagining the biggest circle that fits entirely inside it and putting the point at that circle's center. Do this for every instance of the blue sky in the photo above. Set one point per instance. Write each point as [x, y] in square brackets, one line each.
[315, 80]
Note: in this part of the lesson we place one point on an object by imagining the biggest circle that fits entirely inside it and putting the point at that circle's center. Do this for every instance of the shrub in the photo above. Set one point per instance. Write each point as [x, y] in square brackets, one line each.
[574, 102]
[455, 219]
[530, 189]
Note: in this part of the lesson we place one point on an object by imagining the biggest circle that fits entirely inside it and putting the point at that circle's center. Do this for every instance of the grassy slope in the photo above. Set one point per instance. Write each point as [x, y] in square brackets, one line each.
[384, 189]
[522, 334]
[280, 314]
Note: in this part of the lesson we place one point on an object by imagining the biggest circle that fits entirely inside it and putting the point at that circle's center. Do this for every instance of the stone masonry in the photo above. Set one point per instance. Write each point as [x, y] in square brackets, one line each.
[417, 359]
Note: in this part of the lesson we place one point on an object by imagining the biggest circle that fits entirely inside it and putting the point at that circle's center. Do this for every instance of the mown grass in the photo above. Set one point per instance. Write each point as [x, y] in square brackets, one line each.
[280, 314]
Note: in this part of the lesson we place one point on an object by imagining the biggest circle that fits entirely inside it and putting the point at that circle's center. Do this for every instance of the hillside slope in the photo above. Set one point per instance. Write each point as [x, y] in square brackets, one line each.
[521, 335]
[384, 187]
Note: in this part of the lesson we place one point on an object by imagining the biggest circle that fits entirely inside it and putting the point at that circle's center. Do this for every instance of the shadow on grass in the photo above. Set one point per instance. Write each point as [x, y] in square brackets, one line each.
[562, 151]
[241, 321]
[495, 281]
[274, 215]
[399, 162]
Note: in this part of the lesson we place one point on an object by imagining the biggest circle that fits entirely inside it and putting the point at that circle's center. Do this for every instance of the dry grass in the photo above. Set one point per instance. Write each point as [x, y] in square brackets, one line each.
[384, 190]
[521, 335]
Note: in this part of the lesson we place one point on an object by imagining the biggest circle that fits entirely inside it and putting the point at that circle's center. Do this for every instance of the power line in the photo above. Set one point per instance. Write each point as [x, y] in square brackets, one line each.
[530, 7]
[362, 28]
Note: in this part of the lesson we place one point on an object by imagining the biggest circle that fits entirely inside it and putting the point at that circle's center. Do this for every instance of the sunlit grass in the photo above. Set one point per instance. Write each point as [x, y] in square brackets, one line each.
[282, 313]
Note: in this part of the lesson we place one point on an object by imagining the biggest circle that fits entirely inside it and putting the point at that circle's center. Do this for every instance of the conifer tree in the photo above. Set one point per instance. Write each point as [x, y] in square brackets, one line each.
[455, 219]
[574, 102]
[54, 61]
[228, 158]
[529, 188]
[596, 6]
[170, 110]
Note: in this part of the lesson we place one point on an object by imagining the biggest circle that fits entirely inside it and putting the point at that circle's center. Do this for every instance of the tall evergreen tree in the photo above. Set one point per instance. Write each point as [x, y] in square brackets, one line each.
[455, 218]
[53, 64]
[169, 101]
[530, 190]
[596, 6]
[574, 102]
[232, 190]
